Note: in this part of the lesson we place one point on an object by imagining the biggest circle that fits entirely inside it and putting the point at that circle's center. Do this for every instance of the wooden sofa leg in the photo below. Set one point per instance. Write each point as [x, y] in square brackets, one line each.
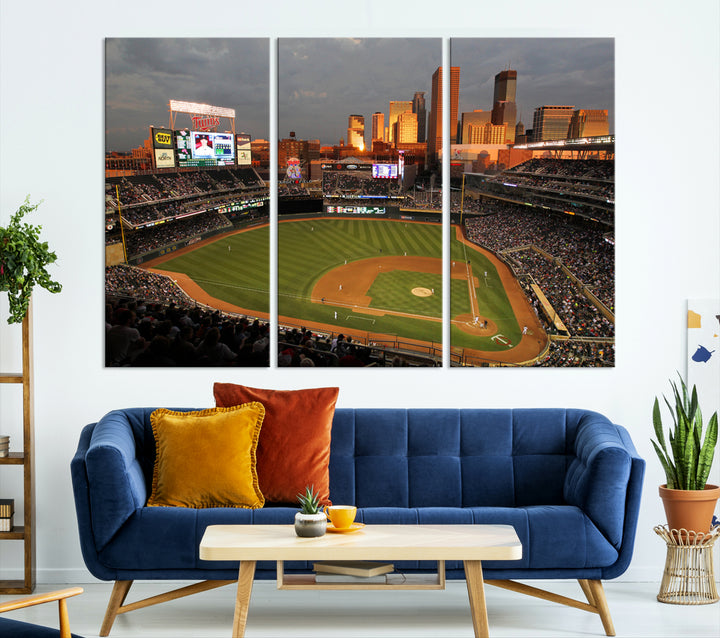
[117, 598]
[600, 603]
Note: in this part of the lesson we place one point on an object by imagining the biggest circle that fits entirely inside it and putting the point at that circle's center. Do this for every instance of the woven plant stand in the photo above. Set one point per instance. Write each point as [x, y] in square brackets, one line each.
[689, 578]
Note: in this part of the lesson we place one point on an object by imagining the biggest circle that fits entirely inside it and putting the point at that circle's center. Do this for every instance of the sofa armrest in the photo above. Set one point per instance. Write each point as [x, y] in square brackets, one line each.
[116, 482]
[598, 476]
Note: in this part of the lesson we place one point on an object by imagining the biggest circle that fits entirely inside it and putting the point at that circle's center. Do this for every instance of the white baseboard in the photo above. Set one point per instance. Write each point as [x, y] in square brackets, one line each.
[79, 576]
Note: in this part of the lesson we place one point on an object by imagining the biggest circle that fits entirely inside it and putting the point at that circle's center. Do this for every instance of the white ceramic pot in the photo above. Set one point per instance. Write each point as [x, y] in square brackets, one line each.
[310, 525]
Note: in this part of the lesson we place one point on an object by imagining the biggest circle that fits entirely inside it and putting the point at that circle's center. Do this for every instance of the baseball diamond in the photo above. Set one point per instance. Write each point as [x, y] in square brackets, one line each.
[367, 278]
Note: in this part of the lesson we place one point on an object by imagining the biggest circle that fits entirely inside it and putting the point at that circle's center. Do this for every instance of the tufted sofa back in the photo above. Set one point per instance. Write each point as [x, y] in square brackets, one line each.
[453, 457]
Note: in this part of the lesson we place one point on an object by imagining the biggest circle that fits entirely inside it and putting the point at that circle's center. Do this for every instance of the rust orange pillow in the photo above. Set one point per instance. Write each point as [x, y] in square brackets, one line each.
[207, 458]
[294, 446]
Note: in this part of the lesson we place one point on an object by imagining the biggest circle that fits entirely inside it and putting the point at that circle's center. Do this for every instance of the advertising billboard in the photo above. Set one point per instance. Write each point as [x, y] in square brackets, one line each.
[385, 171]
[163, 148]
[200, 148]
[244, 155]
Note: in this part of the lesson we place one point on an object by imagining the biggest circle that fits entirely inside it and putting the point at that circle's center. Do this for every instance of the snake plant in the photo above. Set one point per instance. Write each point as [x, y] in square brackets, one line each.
[688, 461]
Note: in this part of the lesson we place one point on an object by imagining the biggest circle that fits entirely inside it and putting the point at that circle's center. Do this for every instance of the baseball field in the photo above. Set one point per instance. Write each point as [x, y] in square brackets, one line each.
[365, 277]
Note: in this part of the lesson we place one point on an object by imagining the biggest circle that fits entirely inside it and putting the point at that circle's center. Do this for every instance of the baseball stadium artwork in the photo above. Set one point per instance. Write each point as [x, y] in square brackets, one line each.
[530, 261]
[187, 202]
[373, 242]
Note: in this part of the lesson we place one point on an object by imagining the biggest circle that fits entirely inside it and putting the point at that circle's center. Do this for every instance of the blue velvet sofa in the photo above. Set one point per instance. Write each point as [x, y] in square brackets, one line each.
[568, 480]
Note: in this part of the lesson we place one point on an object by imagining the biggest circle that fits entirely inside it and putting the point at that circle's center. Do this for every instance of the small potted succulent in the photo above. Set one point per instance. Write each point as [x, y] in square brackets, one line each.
[311, 520]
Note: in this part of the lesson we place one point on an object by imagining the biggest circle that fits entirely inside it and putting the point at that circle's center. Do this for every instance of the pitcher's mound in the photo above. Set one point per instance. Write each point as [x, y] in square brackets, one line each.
[422, 292]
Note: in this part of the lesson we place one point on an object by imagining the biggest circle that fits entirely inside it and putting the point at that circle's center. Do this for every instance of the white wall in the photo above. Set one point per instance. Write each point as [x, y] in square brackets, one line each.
[667, 220]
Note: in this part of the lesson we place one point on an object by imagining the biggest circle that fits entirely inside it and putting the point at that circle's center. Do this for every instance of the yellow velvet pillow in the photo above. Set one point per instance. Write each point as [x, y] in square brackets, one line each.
[207, 458]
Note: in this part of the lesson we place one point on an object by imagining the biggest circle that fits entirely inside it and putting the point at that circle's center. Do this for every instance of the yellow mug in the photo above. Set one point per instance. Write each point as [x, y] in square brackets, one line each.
[341, 516]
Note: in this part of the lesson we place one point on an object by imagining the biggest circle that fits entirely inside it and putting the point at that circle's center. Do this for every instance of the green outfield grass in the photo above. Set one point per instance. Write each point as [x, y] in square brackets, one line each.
[234, 268]
[492, 300]
[308, 249]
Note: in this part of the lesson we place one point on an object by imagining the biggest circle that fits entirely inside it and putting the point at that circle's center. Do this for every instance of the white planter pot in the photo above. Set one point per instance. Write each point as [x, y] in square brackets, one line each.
[310, 525]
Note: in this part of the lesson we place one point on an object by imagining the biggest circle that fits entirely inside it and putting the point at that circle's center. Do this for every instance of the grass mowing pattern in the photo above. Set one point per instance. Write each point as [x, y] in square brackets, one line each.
[308, 249]
[492, 300]
[393, 291]
[239, 275]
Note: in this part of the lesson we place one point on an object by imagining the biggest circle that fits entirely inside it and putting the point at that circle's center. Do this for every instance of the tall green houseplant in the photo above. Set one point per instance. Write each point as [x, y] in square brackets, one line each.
[23, 258]
[687, 463]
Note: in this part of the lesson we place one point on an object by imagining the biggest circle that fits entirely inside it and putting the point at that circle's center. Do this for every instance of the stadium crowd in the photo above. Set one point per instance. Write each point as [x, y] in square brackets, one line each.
[150, 322]
[588, 168]
[303, 348]
[145, 240]
[538, 245]
[350, 184]
[584, 251]
[137, 189]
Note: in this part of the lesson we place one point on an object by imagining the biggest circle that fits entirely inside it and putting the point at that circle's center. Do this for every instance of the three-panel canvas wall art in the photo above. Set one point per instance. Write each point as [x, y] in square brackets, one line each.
[368, 202]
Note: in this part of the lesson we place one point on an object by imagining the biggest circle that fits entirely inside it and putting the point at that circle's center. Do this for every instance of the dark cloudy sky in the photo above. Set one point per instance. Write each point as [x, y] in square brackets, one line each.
[143, 74]
[578, 72]
[321, 81]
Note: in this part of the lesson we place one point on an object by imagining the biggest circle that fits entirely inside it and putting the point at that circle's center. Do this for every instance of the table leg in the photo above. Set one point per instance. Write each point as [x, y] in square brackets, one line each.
[476, 594]
[242, 600]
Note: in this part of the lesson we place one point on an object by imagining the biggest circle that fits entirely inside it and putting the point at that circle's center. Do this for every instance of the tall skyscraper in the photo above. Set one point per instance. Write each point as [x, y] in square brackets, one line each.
[551, 122]
[435, 119]
[419, 109]
[504, 106]
[378, 126]
[475, 118]
[406, 128]
[589, 123]
[396, 108]
[505, 86]
[487, 133]
[356, 132]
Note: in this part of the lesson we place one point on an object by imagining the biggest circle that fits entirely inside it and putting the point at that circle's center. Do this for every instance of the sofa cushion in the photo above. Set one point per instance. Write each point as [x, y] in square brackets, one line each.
[207, 458]
[294, 446]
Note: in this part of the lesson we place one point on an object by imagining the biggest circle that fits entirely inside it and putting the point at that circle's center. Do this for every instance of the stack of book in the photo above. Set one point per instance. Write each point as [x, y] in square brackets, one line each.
[7, 509]
[361, 571]
[4, 444]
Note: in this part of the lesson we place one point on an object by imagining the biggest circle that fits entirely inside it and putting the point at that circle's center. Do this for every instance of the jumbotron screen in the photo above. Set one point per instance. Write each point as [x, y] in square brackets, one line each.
[385, 171]
[200, 148]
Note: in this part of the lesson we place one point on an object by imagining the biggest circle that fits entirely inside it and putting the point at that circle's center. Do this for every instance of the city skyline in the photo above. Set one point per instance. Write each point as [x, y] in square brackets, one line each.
[577, 72]
[321, 81]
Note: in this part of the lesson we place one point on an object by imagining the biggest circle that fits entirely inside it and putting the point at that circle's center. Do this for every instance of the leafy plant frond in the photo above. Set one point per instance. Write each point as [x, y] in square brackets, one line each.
[687, 459]
[23, 261]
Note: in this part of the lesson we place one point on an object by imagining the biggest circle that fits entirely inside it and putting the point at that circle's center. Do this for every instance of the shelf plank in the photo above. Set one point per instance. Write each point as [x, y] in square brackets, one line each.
[15, 587]
[396, 581]
[17, 533]
[6, 377]
[14, 458]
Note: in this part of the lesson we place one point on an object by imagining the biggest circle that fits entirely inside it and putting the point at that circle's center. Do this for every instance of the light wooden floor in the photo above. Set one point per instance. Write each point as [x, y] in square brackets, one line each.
[408, 614]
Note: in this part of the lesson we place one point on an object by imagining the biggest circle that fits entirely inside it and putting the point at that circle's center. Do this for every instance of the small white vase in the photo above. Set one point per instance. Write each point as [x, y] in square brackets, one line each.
[310, 525]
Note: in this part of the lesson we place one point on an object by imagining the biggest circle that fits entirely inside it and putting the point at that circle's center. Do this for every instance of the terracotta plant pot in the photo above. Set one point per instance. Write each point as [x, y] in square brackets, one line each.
[690, 509]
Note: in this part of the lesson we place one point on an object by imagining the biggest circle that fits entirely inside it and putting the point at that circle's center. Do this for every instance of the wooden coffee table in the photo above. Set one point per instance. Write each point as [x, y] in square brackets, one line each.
[469, 543]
